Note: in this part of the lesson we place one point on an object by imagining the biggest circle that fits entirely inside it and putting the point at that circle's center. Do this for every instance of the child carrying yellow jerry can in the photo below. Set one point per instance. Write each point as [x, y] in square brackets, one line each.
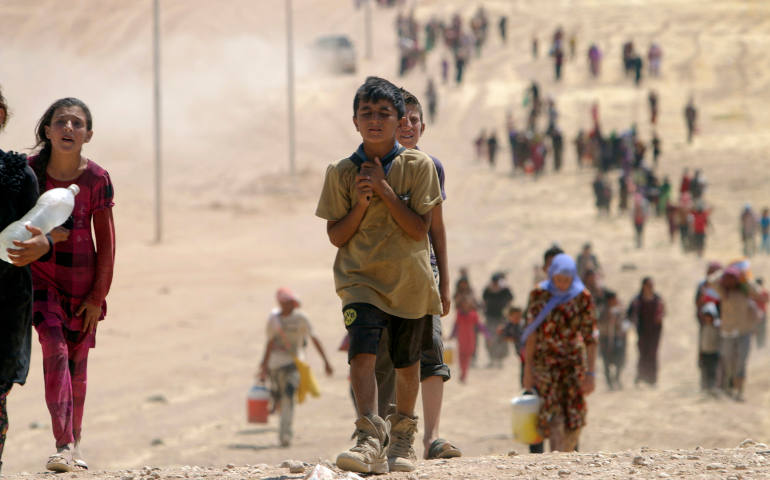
[524, 415]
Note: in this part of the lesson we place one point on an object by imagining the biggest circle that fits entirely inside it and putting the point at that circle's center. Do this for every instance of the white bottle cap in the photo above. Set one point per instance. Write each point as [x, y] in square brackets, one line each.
[74, 189]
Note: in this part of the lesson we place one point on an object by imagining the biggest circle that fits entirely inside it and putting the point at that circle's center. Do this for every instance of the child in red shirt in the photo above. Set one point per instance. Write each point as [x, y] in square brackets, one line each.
[466, 325]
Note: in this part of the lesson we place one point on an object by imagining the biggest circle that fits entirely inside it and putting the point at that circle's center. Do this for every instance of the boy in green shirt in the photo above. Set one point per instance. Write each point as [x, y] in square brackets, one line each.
[377, 204]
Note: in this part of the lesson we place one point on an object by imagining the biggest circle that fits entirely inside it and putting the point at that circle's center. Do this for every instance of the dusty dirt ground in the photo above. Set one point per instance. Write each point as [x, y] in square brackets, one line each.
[177, 352]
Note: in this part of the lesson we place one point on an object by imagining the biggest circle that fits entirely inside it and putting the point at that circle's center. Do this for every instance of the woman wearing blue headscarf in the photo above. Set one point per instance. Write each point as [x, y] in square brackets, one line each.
[560, 352]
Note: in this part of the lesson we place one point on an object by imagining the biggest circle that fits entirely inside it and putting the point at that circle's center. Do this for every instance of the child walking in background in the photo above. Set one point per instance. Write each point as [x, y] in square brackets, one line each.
[764, 225]
[612, 340]
[70, 289]
[511, 331]
[709, 346]
[465, 332]
[288, 330]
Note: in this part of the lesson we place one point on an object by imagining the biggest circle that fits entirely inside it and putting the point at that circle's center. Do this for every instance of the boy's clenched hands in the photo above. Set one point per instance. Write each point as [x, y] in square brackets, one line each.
[373, 175]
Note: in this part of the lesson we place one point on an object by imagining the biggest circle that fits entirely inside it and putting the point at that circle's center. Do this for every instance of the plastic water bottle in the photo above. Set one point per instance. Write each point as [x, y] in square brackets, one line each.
[51, 210]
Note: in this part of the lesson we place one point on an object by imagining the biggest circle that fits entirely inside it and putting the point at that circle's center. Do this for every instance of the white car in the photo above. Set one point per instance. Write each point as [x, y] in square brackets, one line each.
[336, 53]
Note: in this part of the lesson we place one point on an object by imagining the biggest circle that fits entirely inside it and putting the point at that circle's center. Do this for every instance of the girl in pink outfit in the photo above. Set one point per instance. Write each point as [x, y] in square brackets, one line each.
[464, 331]
[70, 288]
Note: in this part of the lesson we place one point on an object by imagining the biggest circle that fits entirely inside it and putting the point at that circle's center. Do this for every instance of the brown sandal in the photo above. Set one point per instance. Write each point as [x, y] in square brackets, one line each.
[58, 462]
[441, 448]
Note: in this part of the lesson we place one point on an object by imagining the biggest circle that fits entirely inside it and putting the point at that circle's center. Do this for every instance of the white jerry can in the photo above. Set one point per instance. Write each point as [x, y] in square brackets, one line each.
[525, 409]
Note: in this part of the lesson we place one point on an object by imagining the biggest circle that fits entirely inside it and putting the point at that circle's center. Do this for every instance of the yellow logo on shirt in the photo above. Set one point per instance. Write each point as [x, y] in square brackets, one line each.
[350, 316]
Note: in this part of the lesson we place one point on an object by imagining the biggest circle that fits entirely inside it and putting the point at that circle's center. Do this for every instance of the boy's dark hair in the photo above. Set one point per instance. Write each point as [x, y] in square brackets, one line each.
[410, 99]
[610, 295]
[375, 89]
[552, 252]
[512, 309]
[44, 155]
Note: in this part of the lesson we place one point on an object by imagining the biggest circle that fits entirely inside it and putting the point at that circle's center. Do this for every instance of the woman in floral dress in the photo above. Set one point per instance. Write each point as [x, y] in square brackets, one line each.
[560, 348]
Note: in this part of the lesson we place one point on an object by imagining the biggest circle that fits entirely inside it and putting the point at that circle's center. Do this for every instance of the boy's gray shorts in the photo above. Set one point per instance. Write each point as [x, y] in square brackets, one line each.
[432, 359]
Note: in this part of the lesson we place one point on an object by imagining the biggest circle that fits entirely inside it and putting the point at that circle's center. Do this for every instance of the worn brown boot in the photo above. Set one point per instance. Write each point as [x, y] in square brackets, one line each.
[401, 456]
[368, 455]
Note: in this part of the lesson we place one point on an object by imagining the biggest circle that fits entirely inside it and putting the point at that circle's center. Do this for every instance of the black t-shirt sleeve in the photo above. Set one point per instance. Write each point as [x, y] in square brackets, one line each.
[27, 199]
[28, 193]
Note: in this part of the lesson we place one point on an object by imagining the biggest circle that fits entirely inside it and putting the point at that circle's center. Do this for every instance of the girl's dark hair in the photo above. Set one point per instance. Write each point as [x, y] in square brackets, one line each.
[4, 108]
[375, 89]
[44, 154]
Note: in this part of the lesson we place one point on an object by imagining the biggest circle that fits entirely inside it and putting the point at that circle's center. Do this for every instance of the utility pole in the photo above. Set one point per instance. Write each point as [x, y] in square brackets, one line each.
[368, 28]
[290, 81]
[157, 100]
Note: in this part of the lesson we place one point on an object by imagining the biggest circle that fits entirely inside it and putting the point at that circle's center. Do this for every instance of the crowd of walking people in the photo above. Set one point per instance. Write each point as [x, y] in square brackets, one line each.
[379, 212]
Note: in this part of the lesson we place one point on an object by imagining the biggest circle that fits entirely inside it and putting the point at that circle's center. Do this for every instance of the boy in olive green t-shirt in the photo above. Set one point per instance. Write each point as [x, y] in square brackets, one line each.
[377, 204]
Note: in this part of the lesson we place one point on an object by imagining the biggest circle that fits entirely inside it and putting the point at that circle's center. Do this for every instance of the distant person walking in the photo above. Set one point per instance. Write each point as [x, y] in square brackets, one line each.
[708, 346]
[639, 214]
[637, 65]
[594, 60]
[700, 222]
[557, 145]
[496, 297]
[431, 95]
[749, 224]
[492, 148]
[764, 225]
[690, 118]
[587, 261]
[762, 300]
[288, 331]
[656, 149]
[609, 316]
[646, 311]
[654, 58]
[740, 319]
[652, 99]
[613, 340]
[467, 324]
[558, 61]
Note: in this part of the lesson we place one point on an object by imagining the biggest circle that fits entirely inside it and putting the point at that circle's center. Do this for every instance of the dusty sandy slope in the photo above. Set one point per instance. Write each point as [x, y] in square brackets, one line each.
[176, 354]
